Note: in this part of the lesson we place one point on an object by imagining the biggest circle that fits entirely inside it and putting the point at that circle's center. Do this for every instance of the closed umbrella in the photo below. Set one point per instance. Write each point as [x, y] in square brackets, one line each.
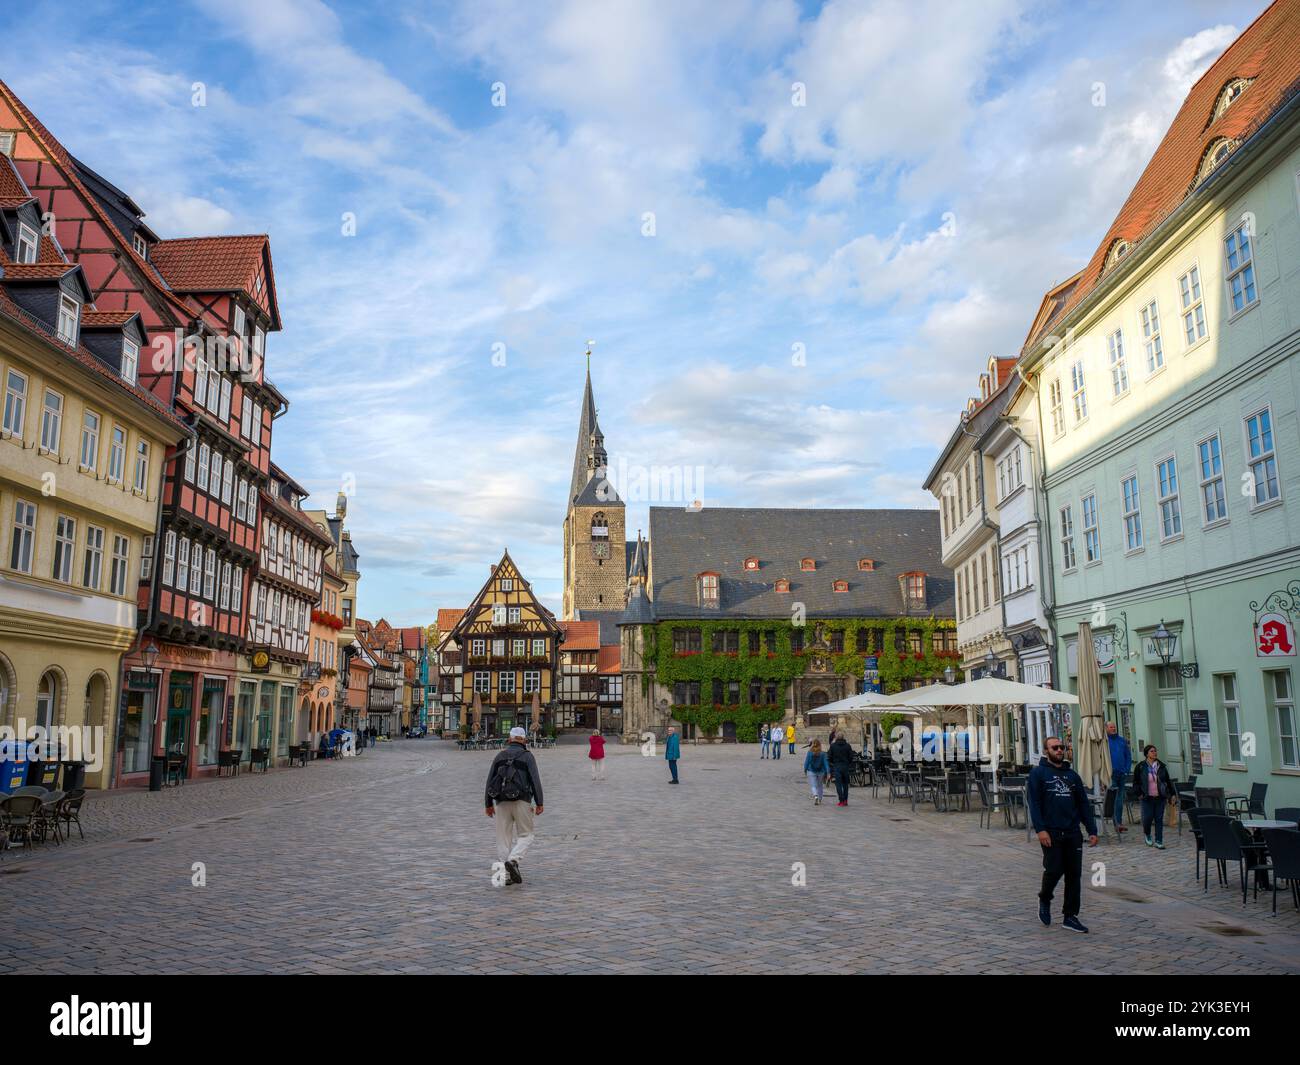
[476, 714]
[1091, 749]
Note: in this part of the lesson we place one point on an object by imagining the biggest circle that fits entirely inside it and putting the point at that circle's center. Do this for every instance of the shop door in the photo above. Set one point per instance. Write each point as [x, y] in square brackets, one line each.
[180, 706]
[1169, 696]
[265, 731]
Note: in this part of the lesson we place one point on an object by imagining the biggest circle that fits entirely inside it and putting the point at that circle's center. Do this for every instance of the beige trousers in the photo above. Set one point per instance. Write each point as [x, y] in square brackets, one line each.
[597, 769]
[514, 829]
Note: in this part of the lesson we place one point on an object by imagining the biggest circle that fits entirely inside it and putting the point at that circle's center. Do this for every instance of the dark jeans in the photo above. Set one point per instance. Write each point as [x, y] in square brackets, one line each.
[841, 782]
[792, 748]
[672, 764]
[776, 749]
[1118, 781]
[1153, 810]
[1064, 858]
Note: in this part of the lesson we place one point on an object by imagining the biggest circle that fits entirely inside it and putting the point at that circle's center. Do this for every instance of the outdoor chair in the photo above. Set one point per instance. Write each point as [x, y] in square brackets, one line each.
[953, 792]
[1287, 813]
[69, 811]
[923, 788]
[20, 815]
[1213, 798]
[1226, 841]
[175, 769]
[49, 821]
[1108, 813]
[1254, 805]
[31, 789]
[1194, 816]
[259, 756]
[989, 803]
[1284, 854]
[900, 786]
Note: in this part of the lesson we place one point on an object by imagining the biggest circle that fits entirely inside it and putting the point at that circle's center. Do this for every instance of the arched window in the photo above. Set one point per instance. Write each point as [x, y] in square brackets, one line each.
[96, 699]
[47, 694]
[599, 535]
[1228, 96]
[1118, 250]
[1215, 155]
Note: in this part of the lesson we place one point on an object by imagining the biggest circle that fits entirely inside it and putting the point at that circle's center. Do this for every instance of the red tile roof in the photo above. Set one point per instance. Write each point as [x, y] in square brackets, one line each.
[581, 635]
[1267, 51]
[91, 319]
[215, 264]
[447, 619]
[37, 271]
[609, 660]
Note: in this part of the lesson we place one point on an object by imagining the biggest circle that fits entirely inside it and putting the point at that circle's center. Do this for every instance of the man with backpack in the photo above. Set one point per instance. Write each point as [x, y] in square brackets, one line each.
[514, 785]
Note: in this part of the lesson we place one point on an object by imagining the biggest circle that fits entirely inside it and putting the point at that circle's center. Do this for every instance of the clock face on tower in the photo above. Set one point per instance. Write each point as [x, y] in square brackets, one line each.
[600, 549]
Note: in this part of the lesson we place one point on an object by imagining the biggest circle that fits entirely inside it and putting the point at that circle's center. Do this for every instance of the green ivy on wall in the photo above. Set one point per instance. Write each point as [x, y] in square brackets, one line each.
[781, 665]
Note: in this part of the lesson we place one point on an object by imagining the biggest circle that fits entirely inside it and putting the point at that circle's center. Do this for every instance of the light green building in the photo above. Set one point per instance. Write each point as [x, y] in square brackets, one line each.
[1165, 384]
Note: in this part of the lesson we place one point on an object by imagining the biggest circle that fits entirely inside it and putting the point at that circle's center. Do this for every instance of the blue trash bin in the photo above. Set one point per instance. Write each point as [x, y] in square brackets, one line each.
[13, 766]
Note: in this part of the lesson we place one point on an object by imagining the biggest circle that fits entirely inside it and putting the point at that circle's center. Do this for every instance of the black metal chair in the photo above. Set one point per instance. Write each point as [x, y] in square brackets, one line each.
[1213, 798]
[900, 786]
[49, 817]
[1226, 841]
[952, 792]
[1194, 819]
[1254, 805]
[69, 811]
[1284, 855]
[20, 815]
[1287, 813]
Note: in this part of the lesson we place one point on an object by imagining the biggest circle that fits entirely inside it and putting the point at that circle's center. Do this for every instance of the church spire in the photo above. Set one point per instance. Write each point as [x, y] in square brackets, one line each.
[589, 457]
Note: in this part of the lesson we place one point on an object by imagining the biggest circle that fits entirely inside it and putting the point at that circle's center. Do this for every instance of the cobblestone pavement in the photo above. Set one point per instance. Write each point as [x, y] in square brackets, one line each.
[383, 863]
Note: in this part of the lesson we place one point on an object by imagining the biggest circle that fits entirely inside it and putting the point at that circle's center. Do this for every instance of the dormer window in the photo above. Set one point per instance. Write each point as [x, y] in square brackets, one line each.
[913, 587]
[1229, 95]
[69, 319]
[841, 586]
[1117, 251]
[808, 565]
[28, 244]
[130, 360]
[1215, 155]
[141, 246]
[708, 590]
[782, 585]
[751, 563]
[866, 565]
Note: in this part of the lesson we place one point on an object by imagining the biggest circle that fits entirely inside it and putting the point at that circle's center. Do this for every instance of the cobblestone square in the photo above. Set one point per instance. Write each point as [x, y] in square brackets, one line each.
[382, 863]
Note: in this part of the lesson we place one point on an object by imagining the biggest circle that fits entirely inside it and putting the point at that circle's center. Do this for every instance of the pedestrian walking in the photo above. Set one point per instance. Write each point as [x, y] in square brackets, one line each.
[673, 751]
[514, 786]
[1121, 761]
[765, 734]
[1155, 787]
[841, 759]
[597, 755]
[818, 770]
[789, 736]
[1058, 804]
[778, 734]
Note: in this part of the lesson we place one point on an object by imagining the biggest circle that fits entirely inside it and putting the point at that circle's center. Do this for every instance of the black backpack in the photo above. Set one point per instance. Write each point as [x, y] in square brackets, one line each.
[510, 780]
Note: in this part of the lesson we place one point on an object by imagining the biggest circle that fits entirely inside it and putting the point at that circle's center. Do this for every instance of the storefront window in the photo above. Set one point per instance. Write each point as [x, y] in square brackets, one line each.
[244, 716]
[214, 698]
[265, 716]
[137, 730]
[286, 719]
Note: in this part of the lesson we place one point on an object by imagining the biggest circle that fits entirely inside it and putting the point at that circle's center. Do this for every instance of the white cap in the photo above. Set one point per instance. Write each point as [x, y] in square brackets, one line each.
[517, 733]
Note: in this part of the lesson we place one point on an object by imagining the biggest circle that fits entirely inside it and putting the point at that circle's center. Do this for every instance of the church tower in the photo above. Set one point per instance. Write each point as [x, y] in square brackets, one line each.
[595, 545]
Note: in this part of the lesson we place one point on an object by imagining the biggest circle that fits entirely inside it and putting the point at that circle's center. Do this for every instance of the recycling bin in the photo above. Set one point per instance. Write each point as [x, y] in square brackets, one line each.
[13, 766]
[43, 774]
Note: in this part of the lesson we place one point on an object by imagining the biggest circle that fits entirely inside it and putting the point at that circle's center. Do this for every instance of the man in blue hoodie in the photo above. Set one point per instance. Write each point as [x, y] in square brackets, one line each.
[1121, 762]
[1058, 804]
[673, 751]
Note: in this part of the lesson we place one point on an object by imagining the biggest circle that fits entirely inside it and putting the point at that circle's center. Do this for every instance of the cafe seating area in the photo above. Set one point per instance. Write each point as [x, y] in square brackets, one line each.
[34, 815]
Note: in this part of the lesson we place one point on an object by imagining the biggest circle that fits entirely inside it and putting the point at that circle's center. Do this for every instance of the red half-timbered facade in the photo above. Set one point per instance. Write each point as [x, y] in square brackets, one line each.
[202, 306]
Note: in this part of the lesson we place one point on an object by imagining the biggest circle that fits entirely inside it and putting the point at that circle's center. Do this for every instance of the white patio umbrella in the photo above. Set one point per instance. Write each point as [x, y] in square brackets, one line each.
[861, 706]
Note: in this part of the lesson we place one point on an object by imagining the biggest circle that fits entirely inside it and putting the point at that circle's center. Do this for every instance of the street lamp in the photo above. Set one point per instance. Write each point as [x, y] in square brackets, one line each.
[949, 675]
[1166, 643]
[992, 667]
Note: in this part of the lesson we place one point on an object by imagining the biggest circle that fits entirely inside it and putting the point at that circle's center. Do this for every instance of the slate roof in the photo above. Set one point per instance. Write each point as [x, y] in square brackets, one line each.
[608, 619]
[719, 539]
[1268, 50]
[584, 491]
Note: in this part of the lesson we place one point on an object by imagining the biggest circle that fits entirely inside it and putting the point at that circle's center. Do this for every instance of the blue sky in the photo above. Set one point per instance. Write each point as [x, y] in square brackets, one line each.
[823, 284]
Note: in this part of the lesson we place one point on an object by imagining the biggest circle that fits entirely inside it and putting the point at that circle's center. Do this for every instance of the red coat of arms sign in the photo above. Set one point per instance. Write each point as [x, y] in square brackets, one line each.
[1274, 636]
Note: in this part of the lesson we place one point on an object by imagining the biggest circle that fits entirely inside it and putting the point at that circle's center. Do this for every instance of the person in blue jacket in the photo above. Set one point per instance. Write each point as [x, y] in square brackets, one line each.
[673, 751]
[818, 769]
[1121, 761]
[1058, 804]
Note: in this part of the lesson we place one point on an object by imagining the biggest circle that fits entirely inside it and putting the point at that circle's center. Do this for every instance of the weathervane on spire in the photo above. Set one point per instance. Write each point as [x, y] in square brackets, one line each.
[590, 344]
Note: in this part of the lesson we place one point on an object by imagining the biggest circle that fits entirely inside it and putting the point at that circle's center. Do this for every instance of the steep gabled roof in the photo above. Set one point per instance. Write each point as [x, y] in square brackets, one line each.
[1268, 52]
[592, 490]
[447, 619]
[581, 635]
[216, 264]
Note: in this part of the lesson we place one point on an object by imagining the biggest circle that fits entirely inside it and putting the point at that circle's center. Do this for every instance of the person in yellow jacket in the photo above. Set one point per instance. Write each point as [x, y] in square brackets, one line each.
[789, 737]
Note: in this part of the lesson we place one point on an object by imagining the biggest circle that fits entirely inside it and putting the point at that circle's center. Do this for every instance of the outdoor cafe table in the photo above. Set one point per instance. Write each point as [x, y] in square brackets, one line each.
[1258, 824]
[1017, 789]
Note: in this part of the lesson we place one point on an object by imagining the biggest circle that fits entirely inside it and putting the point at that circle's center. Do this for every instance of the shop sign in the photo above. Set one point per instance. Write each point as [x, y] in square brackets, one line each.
[260, 661]
[1274, 636]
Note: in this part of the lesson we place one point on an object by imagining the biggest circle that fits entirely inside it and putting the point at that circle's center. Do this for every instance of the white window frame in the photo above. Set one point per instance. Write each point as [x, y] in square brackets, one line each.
[200, 376]
[1119, 383]
[224, 412]
[205, 462]
[146, 557]
[483, 681]
[65, 548]
[1284, 706]
[92, 568]
[513, 615]
[506, 681]
[1091, 532]
[169, 558]
[532, 681]
[1209, 481]
[183, 565]
[117, 455]
[478, 646]
[130, 361]
[1231, 718]
[1069, 558]
[90, 426]
[120, 569]
[1266, 458]
[246, 418]
[51, 422]
[15, 402]
[22, 543]
[1191, 307]
[1079, 392]
[69, 320]
[213, 487]
[1149, 322]
[225, 586]
[1131, 505]
[507, 584]
[1169, 503]
[237, 589]
[210, 575]
[189, 464]
[28, 245]
[228, 484]
[241, 501]
[140, 479]
[1239, 245]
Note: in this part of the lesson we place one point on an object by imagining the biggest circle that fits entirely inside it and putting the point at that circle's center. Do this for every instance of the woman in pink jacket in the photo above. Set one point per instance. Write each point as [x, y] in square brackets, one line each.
[597, 756]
